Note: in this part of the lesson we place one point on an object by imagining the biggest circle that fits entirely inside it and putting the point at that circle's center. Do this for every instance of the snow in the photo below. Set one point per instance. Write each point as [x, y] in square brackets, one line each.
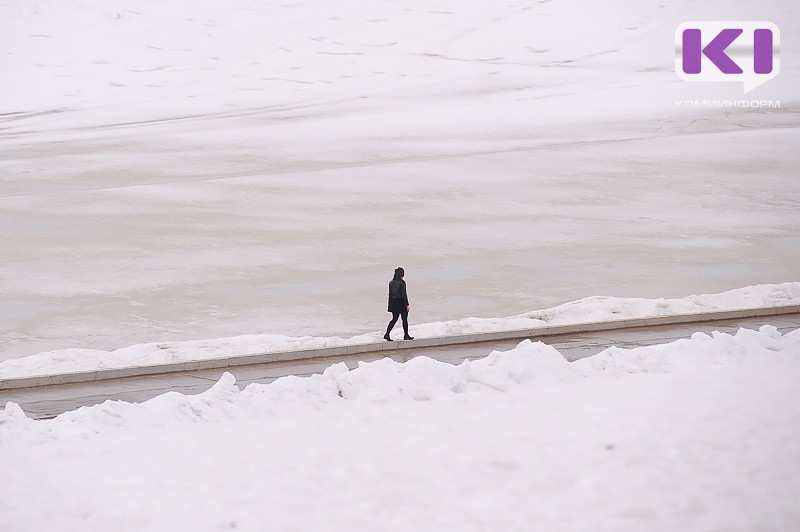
[189, 169]
[591, 309]
[252, 171]
[696, 435]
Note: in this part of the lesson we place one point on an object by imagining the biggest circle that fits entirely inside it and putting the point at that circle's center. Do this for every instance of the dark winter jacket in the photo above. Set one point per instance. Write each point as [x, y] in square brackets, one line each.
[398, 298]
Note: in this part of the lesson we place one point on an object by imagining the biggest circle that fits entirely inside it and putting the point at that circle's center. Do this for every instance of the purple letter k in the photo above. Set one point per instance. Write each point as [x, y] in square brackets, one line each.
[715, 51]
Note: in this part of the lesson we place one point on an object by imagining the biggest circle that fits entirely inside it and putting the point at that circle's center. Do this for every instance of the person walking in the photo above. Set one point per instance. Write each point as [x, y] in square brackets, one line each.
[398, 304]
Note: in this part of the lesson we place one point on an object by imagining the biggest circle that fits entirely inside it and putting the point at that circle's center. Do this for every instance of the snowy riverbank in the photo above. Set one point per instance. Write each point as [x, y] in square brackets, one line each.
[695, 435]
[586, 310]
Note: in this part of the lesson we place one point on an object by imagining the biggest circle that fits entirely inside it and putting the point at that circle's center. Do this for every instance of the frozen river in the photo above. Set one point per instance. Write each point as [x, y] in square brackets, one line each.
[308, 249]
[499, 191]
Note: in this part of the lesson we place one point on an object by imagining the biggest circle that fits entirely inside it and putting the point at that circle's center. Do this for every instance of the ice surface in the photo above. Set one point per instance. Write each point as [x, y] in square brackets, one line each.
[695, 435]
[190, 170]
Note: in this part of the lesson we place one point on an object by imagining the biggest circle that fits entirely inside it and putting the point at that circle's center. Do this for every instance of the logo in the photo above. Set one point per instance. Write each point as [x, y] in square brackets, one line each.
[744, 51]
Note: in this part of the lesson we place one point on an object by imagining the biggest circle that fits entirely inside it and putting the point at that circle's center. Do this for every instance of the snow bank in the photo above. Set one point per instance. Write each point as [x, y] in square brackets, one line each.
[419, 379]
[699, 434]
[746, 348]
[603, 308]
[586, 310]
[383, 381]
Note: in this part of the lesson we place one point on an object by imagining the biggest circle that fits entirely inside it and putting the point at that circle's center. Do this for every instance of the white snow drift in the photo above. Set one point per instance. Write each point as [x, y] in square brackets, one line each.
[696, 435]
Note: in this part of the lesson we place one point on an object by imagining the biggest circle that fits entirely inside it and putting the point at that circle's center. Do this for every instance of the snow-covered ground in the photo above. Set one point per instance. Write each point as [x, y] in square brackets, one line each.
[591, 309]
[696, 435]
[179, 170]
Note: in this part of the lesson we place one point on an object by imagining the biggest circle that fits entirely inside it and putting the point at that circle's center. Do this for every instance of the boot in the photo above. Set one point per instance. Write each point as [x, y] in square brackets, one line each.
[386, 337]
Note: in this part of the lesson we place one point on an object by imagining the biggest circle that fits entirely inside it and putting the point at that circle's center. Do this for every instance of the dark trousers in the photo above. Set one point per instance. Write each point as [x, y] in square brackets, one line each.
[395, 315]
